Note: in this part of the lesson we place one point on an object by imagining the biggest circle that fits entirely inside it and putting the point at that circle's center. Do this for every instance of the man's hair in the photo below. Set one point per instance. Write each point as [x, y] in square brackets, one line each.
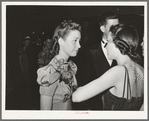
[106, 16]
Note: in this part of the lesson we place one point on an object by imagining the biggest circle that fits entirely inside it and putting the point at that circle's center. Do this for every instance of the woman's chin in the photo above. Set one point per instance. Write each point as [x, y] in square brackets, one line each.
[109, 58]
[73, 54]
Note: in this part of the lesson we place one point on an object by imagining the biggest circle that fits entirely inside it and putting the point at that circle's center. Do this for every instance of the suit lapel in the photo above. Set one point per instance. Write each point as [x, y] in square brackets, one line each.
[100, 62]
[114, 63]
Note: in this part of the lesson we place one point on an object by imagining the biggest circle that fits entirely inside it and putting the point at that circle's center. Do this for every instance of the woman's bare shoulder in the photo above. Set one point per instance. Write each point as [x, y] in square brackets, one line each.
[115, 73]
[117, 69]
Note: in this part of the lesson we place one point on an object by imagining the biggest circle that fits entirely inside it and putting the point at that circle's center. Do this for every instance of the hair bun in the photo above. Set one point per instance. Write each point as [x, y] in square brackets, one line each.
[127, 49]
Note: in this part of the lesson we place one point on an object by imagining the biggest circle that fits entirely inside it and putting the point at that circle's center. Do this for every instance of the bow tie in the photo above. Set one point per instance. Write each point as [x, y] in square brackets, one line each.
[105, 43]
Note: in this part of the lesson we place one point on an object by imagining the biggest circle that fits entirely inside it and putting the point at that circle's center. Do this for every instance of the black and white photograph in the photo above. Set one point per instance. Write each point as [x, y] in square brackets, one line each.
[74, 60]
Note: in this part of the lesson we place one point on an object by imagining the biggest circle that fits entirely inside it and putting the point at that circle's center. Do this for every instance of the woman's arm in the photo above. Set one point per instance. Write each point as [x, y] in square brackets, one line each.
[46, 102]
[107, 80]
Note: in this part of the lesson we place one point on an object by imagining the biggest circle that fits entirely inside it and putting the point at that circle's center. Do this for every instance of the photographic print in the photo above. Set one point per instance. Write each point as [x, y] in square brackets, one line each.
[74, 60]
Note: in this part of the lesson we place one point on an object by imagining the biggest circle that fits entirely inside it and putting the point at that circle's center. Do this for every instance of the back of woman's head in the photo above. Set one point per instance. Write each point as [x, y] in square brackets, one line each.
[62, 31]
[126, 40]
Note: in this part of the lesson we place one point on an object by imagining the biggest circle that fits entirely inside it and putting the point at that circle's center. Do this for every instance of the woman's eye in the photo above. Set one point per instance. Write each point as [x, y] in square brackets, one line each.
[75, 41]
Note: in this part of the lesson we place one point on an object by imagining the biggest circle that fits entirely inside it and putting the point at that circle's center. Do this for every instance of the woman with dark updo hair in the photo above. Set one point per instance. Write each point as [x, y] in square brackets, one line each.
[124, 83]
[57, 80]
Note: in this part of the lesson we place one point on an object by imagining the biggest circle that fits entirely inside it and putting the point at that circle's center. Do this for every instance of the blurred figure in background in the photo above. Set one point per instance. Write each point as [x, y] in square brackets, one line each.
[142, 45]
[24, 61]
[25, 82]
[44, 56]
[32, 53]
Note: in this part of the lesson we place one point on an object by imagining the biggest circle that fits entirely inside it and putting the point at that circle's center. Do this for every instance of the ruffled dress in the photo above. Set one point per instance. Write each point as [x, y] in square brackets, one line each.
[57, 80]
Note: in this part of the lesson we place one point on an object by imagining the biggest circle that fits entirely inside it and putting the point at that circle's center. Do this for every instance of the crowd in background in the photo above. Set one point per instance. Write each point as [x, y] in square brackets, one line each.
[36, 54]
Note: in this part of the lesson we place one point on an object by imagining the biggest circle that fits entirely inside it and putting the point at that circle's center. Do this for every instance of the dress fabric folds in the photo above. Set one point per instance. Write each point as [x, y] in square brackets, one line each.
[57, 80]
[112, 102]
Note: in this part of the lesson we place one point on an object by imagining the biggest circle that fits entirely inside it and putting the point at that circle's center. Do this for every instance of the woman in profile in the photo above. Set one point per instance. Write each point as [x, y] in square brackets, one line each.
[124, 83]
[57, 79]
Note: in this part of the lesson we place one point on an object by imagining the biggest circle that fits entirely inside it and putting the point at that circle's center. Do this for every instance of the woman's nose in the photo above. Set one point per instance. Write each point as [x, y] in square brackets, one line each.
[78, 45]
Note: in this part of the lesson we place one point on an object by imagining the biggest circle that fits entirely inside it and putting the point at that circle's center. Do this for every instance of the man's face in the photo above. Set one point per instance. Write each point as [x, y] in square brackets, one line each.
[110, 22]
[48, 43]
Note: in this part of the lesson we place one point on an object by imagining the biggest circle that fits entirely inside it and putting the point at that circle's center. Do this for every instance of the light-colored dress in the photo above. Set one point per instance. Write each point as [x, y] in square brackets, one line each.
[57, 80]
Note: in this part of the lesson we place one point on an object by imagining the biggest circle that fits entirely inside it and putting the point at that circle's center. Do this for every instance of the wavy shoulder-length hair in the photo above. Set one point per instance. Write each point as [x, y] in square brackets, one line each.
[126, 39]
[62, 31]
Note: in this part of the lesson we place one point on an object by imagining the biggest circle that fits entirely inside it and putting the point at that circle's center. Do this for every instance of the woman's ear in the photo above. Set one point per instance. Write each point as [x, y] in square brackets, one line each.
[102, 28]
[60, 41]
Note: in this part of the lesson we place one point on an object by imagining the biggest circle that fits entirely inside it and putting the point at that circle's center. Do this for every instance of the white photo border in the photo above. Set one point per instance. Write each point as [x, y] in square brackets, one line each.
[37, 114]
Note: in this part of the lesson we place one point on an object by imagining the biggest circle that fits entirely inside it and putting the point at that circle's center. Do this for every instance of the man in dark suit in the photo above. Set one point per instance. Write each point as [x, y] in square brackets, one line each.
[96, 62]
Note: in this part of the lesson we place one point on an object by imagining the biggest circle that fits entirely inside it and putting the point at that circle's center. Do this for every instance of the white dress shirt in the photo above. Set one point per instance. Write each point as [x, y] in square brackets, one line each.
[105, 50]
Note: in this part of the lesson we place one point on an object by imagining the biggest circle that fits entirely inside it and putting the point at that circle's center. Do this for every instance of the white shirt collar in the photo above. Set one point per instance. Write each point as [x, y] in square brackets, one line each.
[104, 40]
[105, 50]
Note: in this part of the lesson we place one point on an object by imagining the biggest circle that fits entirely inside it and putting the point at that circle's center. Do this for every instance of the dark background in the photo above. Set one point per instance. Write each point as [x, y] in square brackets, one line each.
[22, 21]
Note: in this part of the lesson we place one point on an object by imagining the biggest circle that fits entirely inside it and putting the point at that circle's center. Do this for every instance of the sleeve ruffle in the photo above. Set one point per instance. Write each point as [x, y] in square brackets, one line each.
[47, 75]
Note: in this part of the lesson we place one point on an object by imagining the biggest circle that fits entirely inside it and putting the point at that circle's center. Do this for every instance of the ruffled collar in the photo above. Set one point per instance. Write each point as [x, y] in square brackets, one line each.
[67, 70]
[61, 65]
[59, 71]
